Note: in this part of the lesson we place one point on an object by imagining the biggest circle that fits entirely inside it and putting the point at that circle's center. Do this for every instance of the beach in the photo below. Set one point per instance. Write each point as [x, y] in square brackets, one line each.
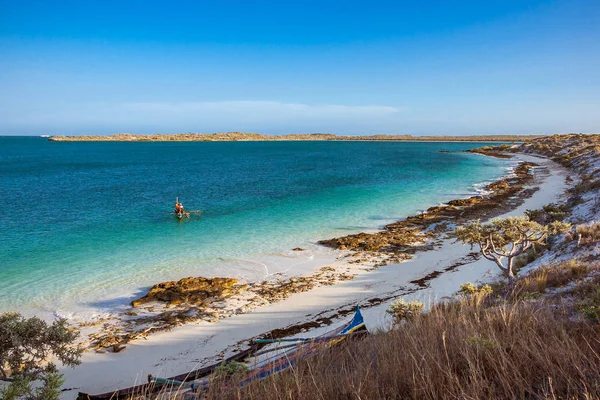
[102, 232]
[191, 346]
[297, 200]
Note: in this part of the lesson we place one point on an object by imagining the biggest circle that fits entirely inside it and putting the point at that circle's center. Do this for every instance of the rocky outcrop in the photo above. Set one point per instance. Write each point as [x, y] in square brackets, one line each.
[465, 202]
[399, 236]
[495, 151]
[390, 238]
[191, 290]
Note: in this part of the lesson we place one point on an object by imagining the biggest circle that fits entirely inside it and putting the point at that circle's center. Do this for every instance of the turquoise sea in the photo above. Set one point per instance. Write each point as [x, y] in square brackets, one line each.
[85, 226]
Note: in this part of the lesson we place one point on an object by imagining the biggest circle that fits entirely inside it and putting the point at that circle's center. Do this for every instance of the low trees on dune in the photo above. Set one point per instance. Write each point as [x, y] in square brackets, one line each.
[27, 347]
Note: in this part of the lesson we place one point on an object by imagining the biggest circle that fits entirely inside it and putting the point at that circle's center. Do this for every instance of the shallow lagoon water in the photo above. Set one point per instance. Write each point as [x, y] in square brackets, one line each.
[86, 226]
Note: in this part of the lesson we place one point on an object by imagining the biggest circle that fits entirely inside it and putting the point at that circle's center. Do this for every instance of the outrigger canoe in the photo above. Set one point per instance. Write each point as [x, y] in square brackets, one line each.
[181, 213]
[194, 382]
[187, 214]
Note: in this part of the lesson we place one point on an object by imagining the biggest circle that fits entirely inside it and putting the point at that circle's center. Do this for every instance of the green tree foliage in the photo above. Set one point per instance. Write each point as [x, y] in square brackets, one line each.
[502, 240]
[548, 214]
[26, 346]
[403, 311]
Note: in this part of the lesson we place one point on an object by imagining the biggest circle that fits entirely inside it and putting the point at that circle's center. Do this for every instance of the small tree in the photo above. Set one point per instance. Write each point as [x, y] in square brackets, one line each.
[26, 346]
[401, 311]
[502, 240]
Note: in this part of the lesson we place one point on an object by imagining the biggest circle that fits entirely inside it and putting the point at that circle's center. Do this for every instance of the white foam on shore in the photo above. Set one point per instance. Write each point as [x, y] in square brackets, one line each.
[258, 268]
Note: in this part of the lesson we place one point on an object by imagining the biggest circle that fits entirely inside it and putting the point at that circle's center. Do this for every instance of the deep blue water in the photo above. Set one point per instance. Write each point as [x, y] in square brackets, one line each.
[81, 222]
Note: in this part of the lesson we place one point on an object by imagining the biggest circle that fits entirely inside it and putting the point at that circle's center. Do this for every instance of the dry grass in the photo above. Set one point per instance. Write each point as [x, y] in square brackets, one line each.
[480, 346]
[551, 276]
[589, 233]
[572, 151]
[457, 350]
[587, 294]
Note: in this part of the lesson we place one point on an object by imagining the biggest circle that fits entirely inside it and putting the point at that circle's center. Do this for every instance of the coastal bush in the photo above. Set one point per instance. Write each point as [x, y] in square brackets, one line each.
[591, 311]
[505, 239]
[476, 293]
[587, 234]
[586, 185]
[469, 289]
[548, 214]
[26, 345]
[402, 311]
[230, 369]
[455, 350]
[551, 276]
[587, 294]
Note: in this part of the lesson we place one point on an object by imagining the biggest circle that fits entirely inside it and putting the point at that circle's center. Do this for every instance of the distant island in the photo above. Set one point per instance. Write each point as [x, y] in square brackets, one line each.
[248, 137]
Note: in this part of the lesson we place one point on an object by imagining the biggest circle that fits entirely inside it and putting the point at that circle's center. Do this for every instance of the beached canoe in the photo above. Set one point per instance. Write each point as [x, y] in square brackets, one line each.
[260, 368]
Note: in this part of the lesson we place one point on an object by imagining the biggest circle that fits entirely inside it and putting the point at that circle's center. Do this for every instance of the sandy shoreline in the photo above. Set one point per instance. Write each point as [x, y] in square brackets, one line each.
[191, 346]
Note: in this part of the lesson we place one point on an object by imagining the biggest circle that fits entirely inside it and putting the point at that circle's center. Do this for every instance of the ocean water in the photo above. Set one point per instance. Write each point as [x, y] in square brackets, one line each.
[84, 227]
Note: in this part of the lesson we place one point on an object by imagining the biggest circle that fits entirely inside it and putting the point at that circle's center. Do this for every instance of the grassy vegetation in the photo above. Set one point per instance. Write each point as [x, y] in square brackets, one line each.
[552, 276]
[492, 341]
[548, 214]
[461, 349]
[588, 233]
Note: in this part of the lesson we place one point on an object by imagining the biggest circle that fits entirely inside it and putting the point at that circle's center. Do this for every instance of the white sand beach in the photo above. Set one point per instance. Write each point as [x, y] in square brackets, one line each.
[191, 346]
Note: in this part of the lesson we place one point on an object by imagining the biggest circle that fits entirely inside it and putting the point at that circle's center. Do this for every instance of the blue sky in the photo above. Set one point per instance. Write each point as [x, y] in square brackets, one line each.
[347, 67]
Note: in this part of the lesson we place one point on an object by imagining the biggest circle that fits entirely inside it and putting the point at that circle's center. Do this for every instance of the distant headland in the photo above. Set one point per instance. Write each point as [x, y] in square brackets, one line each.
[249, 137]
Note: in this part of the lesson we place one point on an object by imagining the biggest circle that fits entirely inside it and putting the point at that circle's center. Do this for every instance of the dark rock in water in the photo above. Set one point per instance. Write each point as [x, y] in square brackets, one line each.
[493, 151]
[401, 236]
[498, 186]
[392, 237]
[190, 290]
[465, 202]
[298, 249]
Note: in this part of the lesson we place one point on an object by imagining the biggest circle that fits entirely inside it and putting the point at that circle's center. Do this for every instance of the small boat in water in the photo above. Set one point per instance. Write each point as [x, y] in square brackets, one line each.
[181, 213]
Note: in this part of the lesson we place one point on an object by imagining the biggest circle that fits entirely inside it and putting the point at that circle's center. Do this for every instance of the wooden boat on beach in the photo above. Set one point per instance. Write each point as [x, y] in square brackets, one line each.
[287, 353]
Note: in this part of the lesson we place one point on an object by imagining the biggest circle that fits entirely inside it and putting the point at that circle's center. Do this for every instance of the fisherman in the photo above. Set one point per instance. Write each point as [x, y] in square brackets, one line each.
[179, 208]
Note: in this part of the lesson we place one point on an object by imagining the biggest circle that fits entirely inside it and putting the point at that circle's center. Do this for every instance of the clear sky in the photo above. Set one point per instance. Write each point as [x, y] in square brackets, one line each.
[346, 67]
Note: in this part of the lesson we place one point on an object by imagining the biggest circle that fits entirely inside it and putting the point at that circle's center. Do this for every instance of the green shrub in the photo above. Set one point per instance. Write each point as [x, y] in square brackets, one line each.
[230, 369]
[402, 311]
[25, 347]
[548, 214]
[590, 305]
[469, 289]
[588, 233]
